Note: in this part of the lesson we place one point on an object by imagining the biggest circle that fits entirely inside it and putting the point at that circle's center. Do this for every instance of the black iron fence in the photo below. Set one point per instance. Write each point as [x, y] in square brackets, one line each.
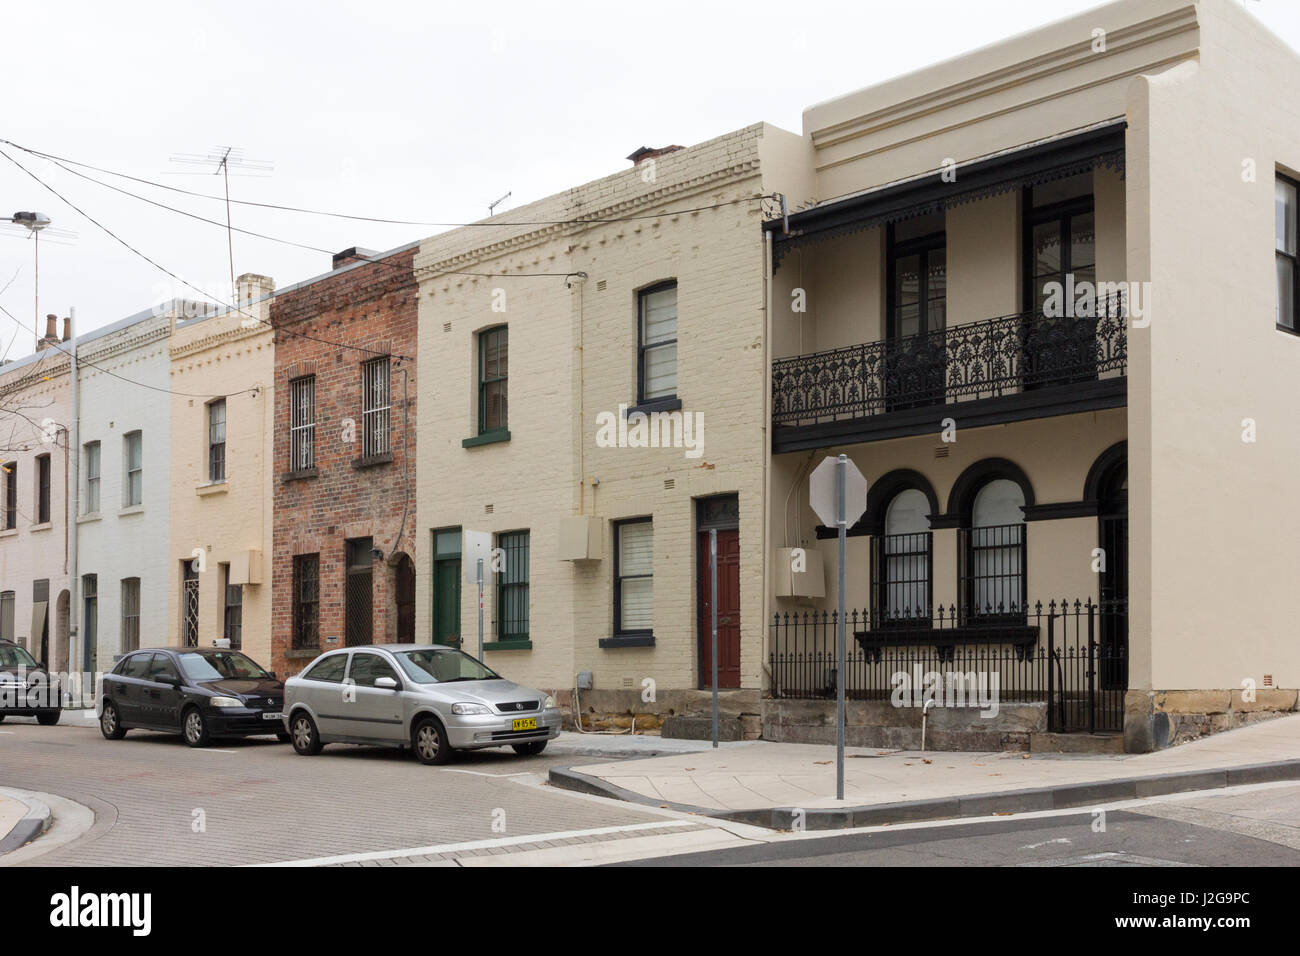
[984, 359]
[1070, 655]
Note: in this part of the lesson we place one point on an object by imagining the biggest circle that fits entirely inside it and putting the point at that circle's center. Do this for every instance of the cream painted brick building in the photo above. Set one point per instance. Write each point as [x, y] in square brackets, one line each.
[222, 378]
[570, 295]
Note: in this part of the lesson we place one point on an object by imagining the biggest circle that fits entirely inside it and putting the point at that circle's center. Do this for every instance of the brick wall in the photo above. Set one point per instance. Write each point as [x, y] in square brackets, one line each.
[370, 308]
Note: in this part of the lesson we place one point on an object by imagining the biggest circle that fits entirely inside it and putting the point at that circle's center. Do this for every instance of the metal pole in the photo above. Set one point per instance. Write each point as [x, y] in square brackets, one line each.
[76, 647]
[841, 474]
[713, 616]
[480, 609]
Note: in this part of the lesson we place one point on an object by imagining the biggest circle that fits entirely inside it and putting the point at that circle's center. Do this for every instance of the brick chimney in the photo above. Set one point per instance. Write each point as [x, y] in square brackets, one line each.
[650, 152]
[354, 254]
[252, 287]
[67, 327]
[51, 336]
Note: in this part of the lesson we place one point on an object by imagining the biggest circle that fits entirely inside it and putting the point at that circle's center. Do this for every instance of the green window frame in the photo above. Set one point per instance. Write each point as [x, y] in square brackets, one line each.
[512, 587]
[493, 379]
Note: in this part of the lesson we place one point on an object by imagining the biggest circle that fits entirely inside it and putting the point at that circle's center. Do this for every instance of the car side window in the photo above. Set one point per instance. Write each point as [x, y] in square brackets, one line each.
[137, 666]
[161, 664]
[329, 669]
[368, 668]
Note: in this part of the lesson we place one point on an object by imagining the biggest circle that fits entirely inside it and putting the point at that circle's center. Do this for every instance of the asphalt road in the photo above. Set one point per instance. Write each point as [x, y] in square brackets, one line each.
[259, 802]
[1244, 827]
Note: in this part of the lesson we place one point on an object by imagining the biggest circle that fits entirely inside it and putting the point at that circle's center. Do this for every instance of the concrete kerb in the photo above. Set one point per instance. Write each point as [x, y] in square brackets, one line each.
[32, 824]
[1063, 797]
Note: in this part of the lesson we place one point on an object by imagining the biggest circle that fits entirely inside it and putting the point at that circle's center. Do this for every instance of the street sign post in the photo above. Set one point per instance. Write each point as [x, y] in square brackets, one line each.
[477, 552]
[837, 492]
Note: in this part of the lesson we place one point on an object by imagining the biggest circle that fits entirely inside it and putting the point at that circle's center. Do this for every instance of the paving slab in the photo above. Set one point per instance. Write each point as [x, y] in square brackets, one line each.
[769, 783]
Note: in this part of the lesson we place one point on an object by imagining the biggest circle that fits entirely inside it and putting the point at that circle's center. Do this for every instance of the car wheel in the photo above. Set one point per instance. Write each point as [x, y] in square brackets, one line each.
[429, 742]
[2, 718]
[49, 718]
[281, 736]
[110, 723]
[530, 749]
[194, 728]
[305, 736]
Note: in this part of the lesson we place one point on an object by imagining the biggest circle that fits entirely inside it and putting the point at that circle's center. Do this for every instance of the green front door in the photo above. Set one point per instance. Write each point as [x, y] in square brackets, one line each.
[446, 601]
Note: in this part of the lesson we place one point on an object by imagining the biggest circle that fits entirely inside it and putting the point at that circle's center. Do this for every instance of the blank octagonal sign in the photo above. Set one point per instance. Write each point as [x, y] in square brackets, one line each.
[821, 492]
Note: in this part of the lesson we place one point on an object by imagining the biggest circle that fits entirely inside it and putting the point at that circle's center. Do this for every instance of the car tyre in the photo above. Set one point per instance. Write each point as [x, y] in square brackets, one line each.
[48, 718]
[429, 742]
[194, 728]
[2, 718]
[283, 737]
[304, 735]
[530, 749]
[110, 722]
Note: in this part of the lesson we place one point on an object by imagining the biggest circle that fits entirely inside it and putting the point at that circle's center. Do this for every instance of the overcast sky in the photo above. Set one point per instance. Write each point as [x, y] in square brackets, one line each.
[403, 110]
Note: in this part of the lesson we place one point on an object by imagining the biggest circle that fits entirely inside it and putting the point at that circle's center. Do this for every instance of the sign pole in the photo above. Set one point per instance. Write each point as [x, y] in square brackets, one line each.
[713, 615]
[841, 471]
[480, 609]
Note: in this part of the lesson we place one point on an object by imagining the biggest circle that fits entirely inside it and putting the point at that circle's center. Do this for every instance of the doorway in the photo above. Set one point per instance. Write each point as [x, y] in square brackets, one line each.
[720, 514]
[446, 587]
[190, 602]
[1112, 538]
[404, 591]
[358, 592]
[916, 305]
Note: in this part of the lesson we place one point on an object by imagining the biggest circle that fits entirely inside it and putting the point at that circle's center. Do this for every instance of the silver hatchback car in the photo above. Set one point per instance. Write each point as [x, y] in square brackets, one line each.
[433, 699]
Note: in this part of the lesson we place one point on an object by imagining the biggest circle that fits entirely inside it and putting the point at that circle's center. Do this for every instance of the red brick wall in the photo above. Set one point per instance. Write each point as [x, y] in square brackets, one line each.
[372, 306]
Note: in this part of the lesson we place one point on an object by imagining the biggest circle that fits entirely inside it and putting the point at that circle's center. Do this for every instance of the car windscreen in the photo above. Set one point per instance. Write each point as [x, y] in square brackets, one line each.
[201, 667]
[442, 666]
[11, 655]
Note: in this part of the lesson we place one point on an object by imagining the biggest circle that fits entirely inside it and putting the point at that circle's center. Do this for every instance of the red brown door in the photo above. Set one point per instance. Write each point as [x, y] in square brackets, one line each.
[728, 610]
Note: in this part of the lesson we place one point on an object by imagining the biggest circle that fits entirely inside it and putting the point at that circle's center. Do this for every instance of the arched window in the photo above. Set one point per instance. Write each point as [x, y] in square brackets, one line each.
[994, 585]
[905, 557]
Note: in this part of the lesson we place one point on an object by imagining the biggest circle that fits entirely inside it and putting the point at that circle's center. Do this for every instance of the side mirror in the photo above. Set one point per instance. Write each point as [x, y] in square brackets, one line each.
[385, 683]
[167, 677]
[273, 677]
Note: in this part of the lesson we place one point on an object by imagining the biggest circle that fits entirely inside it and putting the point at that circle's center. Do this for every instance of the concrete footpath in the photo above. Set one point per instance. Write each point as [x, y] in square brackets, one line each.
[23, 817]
[790, 786]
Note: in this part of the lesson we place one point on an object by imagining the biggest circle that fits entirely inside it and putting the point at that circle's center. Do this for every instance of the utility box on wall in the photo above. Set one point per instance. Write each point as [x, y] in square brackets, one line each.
[246, 567]
[808, 583]
[582, 538]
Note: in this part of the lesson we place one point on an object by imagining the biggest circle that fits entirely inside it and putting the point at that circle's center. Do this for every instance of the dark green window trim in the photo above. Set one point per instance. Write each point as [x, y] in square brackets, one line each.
[512, 587]
[495, 381]
[487, 438]
[508, 646]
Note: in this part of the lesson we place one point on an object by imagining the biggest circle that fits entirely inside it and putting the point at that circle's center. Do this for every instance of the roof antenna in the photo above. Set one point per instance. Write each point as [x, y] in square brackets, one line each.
[493, 205]
[220, 160]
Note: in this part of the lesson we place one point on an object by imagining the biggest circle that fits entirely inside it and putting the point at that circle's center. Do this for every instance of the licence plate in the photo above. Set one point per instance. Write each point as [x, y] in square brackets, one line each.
[524, 723]
[269, 716]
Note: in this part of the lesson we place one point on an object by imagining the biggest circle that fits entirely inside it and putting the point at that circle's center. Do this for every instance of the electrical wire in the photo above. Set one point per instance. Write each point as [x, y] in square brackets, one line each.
[396, 222]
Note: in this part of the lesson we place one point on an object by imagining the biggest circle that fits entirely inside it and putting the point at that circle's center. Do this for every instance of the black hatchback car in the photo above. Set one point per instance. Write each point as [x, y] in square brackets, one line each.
[25, 686]
[200, 693]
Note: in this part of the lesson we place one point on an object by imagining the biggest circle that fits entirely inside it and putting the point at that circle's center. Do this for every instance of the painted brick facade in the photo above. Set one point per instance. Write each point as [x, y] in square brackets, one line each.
[370, 308]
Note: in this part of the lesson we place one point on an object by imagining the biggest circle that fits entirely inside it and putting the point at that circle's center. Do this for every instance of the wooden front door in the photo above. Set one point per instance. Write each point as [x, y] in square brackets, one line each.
[446, 601]
[728, 610]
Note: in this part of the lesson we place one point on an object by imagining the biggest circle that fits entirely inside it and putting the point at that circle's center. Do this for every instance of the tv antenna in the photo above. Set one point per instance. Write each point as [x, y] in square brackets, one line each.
[30, 225]
[493, 205]
[220, 160]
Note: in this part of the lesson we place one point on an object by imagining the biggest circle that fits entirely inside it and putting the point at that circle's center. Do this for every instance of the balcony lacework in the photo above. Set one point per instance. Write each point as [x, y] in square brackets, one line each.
[976, 360]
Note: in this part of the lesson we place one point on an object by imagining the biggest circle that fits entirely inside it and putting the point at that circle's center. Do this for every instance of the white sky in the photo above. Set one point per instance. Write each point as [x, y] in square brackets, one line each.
[403, 110]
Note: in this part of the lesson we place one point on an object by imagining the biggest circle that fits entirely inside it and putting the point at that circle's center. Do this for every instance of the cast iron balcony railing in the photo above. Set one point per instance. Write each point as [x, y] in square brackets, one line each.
[985, 359]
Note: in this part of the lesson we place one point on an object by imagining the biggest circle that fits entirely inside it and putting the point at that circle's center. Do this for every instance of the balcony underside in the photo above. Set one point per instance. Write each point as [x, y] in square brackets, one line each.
[1046, 402]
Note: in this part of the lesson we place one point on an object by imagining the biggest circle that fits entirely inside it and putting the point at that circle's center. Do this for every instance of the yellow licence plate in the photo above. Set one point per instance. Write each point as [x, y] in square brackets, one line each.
[524, 723]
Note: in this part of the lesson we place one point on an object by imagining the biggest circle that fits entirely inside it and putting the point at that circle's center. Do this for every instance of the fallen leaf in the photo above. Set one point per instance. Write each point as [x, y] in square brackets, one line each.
[927, 761]
[689, 768]
[1003, 813]
[820, 762]
[1024, 756]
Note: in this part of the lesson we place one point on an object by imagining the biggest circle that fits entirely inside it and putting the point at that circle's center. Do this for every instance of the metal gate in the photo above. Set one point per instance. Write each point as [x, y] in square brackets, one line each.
[1084, 693]
[190, 615]
[358, 594]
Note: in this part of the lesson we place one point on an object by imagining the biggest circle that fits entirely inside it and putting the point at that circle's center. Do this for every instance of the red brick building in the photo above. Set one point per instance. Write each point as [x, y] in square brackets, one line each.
[343, 565]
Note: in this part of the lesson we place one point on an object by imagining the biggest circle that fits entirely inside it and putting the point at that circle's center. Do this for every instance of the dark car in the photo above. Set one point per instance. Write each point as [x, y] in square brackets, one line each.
[25, 686]
[199, 693]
